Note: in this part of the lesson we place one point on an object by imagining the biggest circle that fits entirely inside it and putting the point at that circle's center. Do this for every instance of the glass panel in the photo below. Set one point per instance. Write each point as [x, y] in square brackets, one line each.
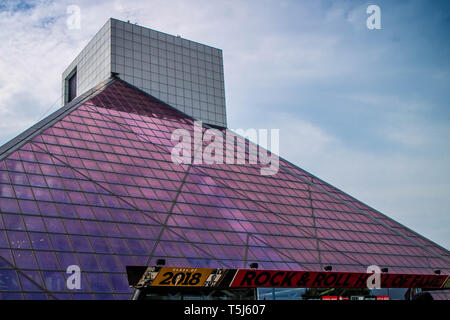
[98, 282]
[13, 222]
[40, 241]
[47, 260]
[31, 282]
[18, 240]
[9, 205]
[34, 223]
[54, 281]
[9, 280]
[119, 282]
[25, 259]
[80, 243]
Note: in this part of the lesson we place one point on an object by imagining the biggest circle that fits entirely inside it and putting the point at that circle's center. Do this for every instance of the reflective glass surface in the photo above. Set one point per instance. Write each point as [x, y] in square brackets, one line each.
[98, 189]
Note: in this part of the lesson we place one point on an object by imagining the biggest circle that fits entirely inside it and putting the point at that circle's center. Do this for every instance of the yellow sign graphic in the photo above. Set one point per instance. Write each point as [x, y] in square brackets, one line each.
[447, 283]
[182, 277]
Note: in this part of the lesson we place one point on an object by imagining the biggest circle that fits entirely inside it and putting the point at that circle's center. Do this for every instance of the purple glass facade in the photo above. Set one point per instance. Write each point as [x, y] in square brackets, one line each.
[97, 188]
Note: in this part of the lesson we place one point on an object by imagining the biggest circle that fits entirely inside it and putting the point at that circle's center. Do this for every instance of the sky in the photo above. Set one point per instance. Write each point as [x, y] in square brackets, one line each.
[365, 110]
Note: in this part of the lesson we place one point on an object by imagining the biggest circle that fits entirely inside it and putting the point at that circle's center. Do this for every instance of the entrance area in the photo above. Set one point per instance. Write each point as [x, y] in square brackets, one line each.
[164, 293]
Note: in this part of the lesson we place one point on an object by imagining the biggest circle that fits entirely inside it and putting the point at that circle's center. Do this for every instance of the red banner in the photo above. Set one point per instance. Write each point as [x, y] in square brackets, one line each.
[293, 279]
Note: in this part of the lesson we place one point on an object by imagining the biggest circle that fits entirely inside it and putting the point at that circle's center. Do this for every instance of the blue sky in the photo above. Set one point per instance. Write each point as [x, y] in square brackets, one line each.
[366, 110]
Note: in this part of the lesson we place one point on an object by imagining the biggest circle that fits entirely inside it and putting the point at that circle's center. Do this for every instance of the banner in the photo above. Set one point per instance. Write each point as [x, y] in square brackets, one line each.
[140, 277]
[304, 279]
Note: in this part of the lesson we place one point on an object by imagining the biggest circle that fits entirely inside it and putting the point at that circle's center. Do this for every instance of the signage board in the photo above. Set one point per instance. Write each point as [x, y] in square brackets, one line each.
[140, 277]
[305, 279]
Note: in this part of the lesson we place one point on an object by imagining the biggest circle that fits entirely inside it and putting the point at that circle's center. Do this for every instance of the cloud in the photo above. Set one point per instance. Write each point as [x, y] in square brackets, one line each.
[35, 48]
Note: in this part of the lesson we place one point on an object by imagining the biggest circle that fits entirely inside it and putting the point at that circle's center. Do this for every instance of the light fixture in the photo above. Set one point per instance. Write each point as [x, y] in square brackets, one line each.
[437, 271]
[254, 265]
[160, 262]
[328, 268]
[385, 270]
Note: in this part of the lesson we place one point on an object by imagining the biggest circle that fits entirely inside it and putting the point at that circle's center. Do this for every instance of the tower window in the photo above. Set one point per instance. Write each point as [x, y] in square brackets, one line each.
[72, 84]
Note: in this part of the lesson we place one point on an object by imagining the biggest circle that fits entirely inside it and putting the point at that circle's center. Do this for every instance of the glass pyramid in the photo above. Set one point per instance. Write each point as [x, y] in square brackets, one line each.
[94, 185]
